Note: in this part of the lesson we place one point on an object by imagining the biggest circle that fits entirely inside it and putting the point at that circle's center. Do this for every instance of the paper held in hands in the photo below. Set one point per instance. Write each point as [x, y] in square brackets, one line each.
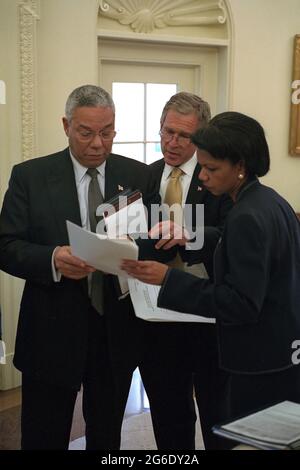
[101, 252]
[144, 299]
[124, 214]
[276, 427]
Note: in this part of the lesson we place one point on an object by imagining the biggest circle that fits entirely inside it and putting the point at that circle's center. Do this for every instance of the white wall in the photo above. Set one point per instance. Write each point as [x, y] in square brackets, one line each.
[262, 73]
[10, 153]
[67, 58]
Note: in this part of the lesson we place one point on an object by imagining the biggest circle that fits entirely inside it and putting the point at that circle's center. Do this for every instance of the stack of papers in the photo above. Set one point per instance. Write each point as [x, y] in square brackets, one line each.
[144, 298]
[276, 427]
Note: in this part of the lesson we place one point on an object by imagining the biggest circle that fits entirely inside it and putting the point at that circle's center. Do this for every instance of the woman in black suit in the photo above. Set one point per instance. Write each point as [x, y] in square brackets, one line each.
[255, 296]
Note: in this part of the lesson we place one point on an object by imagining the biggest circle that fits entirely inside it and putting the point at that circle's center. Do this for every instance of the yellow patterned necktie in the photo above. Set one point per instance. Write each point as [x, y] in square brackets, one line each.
[174, 188]
[174, 196]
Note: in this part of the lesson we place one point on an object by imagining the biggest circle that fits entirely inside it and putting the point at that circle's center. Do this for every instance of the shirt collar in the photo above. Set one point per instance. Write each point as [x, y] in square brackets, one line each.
[80, 170]
[187, 167]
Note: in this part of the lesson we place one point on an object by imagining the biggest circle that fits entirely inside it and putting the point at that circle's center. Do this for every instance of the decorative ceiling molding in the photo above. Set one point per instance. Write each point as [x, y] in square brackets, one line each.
[143, 16]
[29, 14]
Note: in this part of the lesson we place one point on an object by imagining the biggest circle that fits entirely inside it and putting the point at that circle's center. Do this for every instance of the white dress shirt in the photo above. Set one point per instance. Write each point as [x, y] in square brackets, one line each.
[82, 184]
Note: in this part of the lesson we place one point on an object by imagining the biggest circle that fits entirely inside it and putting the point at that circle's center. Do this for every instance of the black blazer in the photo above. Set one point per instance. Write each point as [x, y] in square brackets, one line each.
[256, 294]
[215, 213]
[52, 329]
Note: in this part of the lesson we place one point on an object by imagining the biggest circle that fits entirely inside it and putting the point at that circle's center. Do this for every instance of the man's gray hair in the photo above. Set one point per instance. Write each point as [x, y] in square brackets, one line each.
[88, 95]
[187, 103]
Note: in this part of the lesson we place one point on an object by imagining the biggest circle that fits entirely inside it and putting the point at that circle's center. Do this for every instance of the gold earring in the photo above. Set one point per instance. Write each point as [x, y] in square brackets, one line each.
[240, 176]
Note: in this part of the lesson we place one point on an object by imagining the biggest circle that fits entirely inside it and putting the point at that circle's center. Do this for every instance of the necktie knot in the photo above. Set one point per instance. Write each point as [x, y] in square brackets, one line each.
[176, 173]
[92, 172]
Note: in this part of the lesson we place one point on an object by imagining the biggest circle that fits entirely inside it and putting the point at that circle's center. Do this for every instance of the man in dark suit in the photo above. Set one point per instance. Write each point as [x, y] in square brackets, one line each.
[182, 357]
[62, 341]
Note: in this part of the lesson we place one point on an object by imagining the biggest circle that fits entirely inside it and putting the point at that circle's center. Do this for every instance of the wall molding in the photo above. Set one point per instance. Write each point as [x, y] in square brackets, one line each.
[29, 14]
[166, 39]
[147, 15]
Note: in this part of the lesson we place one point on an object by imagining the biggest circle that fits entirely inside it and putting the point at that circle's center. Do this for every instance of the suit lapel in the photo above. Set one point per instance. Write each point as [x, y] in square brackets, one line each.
[196, 192]
[113, 183]
[157, 171]
[63, 193]
[116, 177]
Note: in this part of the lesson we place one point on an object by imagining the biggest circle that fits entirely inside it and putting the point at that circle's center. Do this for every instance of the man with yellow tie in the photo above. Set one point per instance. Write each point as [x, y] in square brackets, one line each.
[182, 357]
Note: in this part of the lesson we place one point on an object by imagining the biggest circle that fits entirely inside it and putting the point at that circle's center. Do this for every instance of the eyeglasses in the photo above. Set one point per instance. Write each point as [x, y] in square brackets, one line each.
[105, 136]
[169, 134]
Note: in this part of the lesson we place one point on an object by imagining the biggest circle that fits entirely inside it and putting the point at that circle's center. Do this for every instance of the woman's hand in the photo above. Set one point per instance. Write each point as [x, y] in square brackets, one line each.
[150, 272]
[171, 234]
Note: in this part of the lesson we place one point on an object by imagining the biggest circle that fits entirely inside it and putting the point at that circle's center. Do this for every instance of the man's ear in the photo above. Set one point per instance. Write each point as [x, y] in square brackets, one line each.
[66, 125]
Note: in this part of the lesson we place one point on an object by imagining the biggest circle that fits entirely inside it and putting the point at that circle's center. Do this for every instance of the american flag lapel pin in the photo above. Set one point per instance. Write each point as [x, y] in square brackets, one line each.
[120, 188]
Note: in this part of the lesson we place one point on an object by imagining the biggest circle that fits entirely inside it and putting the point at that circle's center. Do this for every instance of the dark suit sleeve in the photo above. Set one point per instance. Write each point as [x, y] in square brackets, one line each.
[239, 295]
[215, 211]
[20, 256]
[152, 199]
[147, 251]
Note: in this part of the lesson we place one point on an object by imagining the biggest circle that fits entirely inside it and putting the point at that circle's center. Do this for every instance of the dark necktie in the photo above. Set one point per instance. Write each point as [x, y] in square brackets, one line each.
[95, 198]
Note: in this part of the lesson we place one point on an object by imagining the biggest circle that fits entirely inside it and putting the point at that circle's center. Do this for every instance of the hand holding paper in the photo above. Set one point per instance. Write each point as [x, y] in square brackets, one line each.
[69, 265]
[151, 272]
[99, 251]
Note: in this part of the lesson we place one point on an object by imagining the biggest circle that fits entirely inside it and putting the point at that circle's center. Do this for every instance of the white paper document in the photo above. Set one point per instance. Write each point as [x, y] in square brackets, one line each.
[101, 252]
[2, 352]
[127, 220]
[275, 427]
[144, 299]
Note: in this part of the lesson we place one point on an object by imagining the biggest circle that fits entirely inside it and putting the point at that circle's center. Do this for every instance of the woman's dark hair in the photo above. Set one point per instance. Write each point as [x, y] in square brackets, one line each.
[235, 137]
